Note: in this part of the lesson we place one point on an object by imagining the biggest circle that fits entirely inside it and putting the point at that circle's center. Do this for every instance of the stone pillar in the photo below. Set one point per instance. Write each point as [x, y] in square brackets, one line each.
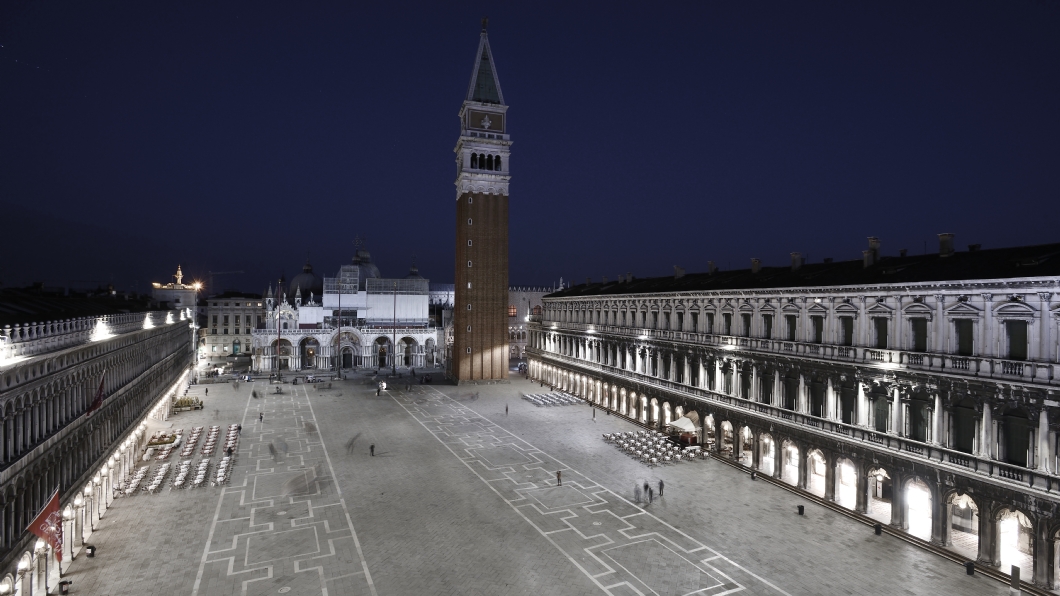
[986, 338]
[861, 501]
[719, 379]
[896, 412]
[800, 399]
[756, 451]
[829, 476]
[1043, 556]
[938, 518]
[1045, 333]
[804, 465]
[938, 433]
[778, 458]
[829, 400]
[756, 391]
[898, 502]
[778, 399]
[1042, 458]
[988, 546]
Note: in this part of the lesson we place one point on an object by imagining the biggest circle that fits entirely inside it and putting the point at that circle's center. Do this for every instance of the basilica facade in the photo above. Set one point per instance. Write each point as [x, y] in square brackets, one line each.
[357, 320]
[920, 392]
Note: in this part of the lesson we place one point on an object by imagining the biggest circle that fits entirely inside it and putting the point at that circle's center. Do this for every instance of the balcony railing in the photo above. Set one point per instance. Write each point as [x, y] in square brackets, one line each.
[1029, 371]
[32, 339]
[936, 454]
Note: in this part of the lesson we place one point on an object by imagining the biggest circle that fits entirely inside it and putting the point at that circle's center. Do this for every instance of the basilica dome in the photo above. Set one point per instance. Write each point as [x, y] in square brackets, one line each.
[307, 282]
[364, 260]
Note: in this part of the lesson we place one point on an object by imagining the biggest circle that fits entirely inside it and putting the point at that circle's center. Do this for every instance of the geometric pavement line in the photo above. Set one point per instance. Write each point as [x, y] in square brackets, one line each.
[468, 459]
[295, 413]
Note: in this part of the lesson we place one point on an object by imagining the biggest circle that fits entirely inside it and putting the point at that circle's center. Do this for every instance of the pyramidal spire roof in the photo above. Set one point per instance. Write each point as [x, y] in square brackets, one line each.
[485, 87]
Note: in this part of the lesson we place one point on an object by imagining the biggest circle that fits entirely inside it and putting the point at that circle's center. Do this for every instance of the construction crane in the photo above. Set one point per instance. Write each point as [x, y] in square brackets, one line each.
[211, 288]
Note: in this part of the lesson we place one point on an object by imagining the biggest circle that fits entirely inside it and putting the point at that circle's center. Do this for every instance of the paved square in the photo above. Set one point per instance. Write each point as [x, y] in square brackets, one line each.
[461, 498]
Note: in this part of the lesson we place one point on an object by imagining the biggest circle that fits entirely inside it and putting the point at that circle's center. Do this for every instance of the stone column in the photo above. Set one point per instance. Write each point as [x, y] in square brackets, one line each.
[778, 399]
[804, 465]
[988, 546]
[896, 412]
[987, 443]
[861, 501]
[1042, 457]
[719, 378]
[1043, 556]
[829, 400]
[800, 399]
[938, 518]
[829, 477]
[1045, 334]
[778, 458]
[986, 338]
[897, 502]
[939, 427]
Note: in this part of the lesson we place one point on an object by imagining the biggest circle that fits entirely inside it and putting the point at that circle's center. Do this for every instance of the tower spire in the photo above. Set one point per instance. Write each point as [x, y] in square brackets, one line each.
[485, 87]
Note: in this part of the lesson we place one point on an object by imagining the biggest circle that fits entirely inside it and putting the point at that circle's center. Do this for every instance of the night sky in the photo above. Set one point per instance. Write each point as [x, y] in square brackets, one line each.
[139, 135]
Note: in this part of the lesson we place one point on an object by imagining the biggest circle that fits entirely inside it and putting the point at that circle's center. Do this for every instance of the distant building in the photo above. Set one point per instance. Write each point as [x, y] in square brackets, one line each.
[522, 302]
[231, 318]
[176, 295]
[346, 322]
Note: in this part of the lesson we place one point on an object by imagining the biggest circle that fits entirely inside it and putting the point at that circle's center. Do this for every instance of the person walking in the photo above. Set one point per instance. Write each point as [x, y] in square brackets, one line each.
[261, 417]
[594, 414]
[371, 450]
[646, 489]
[559, 478]
[272, 451]
[660, 488]
[636, 493]
[649, 495]
[207, 391]
[505, 409]
[239, 429]
[377, 390]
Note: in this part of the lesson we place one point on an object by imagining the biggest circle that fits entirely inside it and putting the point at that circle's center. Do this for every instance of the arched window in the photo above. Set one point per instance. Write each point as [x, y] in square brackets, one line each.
[489, 162]
[497, 163]
[474, 161]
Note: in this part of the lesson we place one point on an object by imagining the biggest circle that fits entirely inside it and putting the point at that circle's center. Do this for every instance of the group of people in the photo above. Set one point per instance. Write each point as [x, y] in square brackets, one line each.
[649, 494]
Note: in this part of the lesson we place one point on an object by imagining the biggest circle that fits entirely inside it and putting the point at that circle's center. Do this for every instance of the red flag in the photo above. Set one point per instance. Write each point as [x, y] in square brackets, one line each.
[99, 396]
[48, 525]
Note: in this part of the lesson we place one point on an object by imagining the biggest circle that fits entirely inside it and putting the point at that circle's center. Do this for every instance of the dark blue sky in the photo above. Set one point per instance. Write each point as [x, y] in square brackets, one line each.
[134, 136]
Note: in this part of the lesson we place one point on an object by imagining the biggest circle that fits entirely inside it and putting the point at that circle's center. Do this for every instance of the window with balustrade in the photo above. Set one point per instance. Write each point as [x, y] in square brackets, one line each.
[767, 326]
[846, 331]
[879, 326]
[818, 329]
[1016, 335]
[793, 327]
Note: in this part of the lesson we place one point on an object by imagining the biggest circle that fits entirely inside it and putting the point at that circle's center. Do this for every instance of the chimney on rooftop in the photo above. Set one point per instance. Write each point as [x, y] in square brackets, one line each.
[711, 267]
[679, 272]
[796, 261]
[945, 245]
[874, 250]
[756, 265]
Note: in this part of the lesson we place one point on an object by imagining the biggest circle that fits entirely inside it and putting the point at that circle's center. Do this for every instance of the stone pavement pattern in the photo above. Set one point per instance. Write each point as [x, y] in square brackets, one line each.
[462, 499]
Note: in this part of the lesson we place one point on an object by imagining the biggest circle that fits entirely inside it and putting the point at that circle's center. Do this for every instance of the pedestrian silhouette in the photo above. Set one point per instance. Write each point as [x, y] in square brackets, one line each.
[505, 409]
[559, 478]
[649, 495]
[371, 449]
[272, 451]
[261, 417]
[636, 493]
[207, 391]
[660, 487]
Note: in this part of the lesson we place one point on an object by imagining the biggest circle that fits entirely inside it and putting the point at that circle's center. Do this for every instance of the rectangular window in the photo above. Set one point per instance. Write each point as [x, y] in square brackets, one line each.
[818, 329]
[226, 319]
[247, 319]
[846, 331]
[666, 320]
[225, 331]
[237, 330]
[680, 321]
[767, 326]
[880, 325]
[512, 311]
[215, 320]
[726, 324]
[213, 332]
[963, 329]
[919, 329]
[793, 326]
[654, 320]
[695, 322]
[1017, 339]
[214, 349]
[710, 323]
[745, 324]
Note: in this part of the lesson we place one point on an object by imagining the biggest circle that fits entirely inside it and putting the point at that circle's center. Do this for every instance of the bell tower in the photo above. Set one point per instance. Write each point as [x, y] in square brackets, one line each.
[480, 318]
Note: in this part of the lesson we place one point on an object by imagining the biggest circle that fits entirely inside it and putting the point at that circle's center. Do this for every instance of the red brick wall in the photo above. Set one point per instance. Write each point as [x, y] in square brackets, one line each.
[488, 295]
